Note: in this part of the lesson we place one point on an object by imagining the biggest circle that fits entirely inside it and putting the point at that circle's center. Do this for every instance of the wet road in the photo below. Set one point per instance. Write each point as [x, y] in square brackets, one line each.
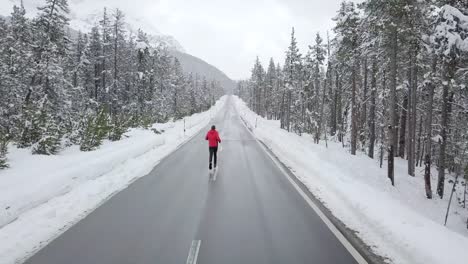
[249, 213]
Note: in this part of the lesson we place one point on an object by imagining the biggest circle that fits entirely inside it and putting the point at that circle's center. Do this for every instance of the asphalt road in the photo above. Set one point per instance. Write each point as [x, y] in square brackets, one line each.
[249, 213]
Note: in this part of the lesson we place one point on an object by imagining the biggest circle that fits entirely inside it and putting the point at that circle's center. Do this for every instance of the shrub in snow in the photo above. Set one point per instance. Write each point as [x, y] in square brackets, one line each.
[49, 139]
[96, 130]
[118, 127]
[3, 152]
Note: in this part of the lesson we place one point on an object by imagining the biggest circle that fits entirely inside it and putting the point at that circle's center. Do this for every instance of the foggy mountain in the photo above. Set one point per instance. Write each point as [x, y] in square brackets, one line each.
[198, 66]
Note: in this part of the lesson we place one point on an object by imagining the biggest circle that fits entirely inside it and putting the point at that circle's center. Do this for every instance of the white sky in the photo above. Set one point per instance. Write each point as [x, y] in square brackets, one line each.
[228, 34]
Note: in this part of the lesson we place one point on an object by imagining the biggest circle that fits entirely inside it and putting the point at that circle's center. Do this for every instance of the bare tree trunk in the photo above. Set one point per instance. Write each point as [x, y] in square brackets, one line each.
[363, 136]
[443, 142]
[412, 130]
[409, 98]
[334, 107]
[353, 113]
[320, 125]
[372, 108]
[451, 195]
[403, 122]
[428, 137]
[419, 146]
[392, 106]
[339, 111]
[282, 111]
[464, 193]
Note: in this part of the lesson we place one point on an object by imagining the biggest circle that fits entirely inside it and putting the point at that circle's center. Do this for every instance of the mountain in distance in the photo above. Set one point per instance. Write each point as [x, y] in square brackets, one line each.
[198, 66]
[190, 63]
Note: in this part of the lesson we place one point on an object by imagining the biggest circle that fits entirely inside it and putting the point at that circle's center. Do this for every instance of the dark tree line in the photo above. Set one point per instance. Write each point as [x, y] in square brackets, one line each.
[61, 87]
[391, 83]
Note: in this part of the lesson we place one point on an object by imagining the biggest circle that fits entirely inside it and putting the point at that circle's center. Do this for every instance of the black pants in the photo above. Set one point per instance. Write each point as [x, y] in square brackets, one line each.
[213, 152]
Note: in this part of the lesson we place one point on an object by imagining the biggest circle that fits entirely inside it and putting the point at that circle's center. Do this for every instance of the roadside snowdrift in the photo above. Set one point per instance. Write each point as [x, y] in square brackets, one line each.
[398, 222]
[41, 196]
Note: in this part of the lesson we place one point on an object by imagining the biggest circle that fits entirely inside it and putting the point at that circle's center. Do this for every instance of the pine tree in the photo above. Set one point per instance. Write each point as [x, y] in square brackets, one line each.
[271, 85]
[48, 84]
[178, 94]
[315, 107]
[347, 22]
[291, 110]
[257, 82]
[448, 26]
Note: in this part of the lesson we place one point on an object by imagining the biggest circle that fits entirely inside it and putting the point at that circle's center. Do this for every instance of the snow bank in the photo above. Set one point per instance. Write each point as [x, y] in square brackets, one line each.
[398, 222]
[40, 196]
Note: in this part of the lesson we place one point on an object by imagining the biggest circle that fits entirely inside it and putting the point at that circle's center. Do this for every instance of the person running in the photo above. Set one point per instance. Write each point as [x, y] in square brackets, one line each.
[213, 139]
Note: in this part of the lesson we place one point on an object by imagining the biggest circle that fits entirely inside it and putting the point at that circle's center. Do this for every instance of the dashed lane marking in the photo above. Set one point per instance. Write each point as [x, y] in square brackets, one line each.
[193, 253]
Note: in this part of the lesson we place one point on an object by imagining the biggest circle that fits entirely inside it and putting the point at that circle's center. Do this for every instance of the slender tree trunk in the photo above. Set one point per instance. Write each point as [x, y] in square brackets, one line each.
[282, 114]
[419, 146]
[372, 109]
[96, 81]
[403, 122]
[319, 129]
[408, 108]
[412, 131]
[363, 136]
[428, 137]
[334, 106]
[382, 125]
[392, 106]
[443, 142]
[339, 111]
[353, 112]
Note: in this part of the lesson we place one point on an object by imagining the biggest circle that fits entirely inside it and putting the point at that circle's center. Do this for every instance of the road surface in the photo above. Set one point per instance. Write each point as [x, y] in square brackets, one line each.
[249, 214]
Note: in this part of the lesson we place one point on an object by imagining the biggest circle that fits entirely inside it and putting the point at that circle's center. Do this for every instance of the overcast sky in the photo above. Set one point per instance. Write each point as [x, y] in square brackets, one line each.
[226, 34]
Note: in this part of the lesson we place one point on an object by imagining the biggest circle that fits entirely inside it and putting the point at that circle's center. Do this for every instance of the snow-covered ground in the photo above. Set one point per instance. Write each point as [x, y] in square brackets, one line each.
[398, 222]
[41, 196]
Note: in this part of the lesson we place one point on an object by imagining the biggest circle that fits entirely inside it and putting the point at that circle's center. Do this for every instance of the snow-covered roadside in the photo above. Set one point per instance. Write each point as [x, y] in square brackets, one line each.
[41, 196]
[398, 222]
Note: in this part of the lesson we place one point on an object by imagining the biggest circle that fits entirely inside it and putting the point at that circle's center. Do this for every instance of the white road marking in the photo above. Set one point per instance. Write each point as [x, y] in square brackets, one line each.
[215, 174]
[356, 255]
[193, 253]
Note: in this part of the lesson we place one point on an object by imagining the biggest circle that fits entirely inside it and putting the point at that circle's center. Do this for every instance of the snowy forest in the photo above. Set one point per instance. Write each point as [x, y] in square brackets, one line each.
[390, 81]
[60, 87]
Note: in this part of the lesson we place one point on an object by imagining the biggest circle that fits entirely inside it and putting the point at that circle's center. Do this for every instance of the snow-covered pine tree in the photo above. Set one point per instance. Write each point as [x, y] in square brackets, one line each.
[257, 82]
[47, 95]
[448, 42]
[15, 53]
[346, 29]
[314, 103]
[271, 84]
[291, 116]
[178, 91]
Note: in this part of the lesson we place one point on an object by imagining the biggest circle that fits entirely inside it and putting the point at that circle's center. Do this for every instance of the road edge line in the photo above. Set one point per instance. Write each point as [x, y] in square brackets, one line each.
[341, 235]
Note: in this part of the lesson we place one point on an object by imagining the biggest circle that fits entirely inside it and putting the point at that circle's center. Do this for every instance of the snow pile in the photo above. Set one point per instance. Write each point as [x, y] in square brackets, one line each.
[398, 222]
[42, 195]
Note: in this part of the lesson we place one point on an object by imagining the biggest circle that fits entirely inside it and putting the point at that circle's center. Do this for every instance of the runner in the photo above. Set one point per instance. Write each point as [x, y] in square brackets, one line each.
[213, 139]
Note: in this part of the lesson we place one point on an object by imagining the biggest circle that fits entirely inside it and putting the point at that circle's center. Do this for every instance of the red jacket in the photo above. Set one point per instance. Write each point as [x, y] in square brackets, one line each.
[213, 138]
